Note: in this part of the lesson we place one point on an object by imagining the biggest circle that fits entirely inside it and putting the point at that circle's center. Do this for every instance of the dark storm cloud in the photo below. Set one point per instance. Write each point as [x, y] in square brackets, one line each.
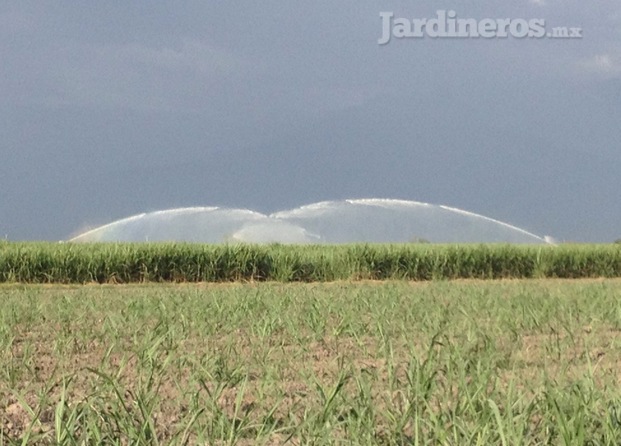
[117, 108]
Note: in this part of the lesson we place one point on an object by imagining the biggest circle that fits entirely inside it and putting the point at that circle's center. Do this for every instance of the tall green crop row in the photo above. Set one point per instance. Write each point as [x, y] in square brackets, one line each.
[165, 262]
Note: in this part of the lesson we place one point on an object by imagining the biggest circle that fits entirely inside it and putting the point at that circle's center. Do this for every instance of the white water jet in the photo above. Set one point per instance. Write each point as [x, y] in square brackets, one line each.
[346, 221]
[197, 224]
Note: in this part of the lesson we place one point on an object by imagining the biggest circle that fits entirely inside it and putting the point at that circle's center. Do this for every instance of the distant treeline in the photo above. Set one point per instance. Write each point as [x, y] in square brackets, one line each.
[130, 263]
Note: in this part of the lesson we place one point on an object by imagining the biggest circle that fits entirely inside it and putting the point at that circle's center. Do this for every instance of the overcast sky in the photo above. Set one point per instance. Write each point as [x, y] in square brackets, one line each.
[110, 109]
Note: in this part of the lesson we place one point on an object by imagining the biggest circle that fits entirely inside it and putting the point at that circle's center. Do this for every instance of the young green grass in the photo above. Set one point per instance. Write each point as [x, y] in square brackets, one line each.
[470, 362]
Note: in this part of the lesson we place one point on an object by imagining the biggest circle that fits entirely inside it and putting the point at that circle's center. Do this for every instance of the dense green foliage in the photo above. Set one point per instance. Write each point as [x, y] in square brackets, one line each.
[126, 263]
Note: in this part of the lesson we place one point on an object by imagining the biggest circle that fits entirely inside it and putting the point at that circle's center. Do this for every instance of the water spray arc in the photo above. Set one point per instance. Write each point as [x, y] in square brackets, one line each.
[345, 221]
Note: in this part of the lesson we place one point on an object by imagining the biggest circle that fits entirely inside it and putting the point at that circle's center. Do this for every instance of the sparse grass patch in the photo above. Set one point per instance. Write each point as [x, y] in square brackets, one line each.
[470, 362]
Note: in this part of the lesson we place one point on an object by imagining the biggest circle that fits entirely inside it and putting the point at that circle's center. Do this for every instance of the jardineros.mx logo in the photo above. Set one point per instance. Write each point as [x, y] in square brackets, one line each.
[447, 24]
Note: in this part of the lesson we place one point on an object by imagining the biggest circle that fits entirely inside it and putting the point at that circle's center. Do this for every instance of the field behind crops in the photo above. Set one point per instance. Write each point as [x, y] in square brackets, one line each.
[165, 262]
[396, 362]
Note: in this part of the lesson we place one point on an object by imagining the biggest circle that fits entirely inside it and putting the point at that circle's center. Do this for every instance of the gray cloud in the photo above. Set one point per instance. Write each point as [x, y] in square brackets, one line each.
[118, 108]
